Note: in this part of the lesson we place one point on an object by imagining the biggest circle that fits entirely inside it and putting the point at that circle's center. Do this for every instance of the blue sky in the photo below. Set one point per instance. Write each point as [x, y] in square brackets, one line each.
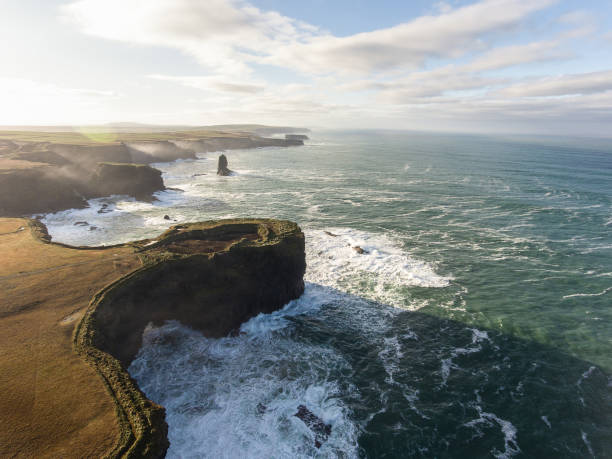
[516, 66]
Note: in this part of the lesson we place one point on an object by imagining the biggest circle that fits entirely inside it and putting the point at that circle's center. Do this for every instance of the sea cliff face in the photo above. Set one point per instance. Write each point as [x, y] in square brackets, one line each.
[57, 176]
[211, 276]
[49, 189]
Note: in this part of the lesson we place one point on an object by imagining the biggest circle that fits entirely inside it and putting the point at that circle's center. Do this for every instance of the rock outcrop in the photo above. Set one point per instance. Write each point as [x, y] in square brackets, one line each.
[37, 190]
[49, 189]
[138, 180]
[222, 168]
[211, 276]
[321, 430]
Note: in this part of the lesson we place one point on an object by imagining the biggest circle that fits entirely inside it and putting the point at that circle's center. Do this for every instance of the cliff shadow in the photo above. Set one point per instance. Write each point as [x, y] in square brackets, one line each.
[429, 386]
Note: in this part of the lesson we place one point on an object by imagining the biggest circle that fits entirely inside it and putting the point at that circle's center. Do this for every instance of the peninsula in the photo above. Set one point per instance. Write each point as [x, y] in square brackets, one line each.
[72, 318]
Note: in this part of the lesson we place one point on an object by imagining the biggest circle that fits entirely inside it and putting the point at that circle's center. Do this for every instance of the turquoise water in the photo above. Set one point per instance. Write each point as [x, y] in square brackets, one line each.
[477, 325]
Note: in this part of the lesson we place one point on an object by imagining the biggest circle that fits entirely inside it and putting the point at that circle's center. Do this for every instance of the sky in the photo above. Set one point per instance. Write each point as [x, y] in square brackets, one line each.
[508, 66]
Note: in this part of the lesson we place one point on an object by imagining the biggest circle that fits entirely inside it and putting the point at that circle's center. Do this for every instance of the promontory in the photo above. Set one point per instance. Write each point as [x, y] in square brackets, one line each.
[72, 318]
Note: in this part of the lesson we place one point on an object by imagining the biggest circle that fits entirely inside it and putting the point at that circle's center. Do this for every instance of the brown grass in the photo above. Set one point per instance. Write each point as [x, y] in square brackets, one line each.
[52, 403]
[99, 138]
[12, 164]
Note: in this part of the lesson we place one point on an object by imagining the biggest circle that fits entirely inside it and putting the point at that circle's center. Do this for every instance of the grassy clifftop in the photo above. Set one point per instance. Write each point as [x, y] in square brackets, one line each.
[211, 276]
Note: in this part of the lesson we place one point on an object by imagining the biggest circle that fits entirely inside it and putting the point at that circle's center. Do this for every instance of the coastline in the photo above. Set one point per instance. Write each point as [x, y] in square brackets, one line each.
[63, 171]
[269, 248]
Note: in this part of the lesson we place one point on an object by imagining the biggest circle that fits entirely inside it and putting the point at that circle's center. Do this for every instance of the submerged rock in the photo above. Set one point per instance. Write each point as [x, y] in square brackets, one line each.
[222, 168]
[359, 250]
[261, 408]
[330, 234]
[104, 209]
[321, 430]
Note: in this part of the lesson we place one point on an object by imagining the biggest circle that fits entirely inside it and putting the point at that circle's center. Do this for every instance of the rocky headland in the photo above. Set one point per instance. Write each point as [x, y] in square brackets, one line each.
[69, 393]
[64, 171]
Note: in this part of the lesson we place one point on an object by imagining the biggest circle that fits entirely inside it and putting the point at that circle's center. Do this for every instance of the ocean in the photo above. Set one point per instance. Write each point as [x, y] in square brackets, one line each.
[477, 324]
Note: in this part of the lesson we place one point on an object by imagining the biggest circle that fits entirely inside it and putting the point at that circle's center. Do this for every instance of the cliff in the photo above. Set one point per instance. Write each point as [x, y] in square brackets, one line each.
[40, 189]
[138, 180]
[49, 189]
[211, 276]
[73, 172]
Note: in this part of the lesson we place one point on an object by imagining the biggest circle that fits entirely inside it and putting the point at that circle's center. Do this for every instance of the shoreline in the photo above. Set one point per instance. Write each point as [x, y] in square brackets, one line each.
[40, 177]
[114, 319]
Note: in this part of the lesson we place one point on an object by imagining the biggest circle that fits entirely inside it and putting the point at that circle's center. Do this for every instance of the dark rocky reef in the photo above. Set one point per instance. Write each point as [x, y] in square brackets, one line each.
[222, 168]
[211, 276]
[321, 430]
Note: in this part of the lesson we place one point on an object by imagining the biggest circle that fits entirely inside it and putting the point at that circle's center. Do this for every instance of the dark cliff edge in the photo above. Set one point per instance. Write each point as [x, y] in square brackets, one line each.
[50, 189]
[64, 176]
[211, 276]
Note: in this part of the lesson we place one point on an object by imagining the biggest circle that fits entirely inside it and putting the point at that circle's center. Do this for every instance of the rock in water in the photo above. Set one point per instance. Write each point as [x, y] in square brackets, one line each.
[222, 166]
[322, 431]
[359, 250]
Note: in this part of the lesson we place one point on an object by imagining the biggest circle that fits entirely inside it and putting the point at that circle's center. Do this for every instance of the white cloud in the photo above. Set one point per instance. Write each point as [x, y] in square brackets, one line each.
[584, 83]
[220, 33]
[228, 35]
[433, 70]
[213, 83]
[582, 22]
[450, 35]
[508, 56]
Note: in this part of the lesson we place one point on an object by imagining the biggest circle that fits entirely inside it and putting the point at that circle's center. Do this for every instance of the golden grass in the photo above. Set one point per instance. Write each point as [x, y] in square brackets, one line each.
[94, 137]
[7, 164]
[53, 404]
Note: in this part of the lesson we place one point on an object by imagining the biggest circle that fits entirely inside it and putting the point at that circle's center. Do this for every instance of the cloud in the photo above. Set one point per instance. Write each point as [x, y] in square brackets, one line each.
[213, 83]
[434, 70]
[508, 56]
[448, 35]
[228, 35]
[220, 33]
[582, 22]
[584, 83]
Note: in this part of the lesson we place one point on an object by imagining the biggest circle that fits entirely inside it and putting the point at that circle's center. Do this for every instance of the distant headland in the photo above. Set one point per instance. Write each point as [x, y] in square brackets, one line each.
[50, 169]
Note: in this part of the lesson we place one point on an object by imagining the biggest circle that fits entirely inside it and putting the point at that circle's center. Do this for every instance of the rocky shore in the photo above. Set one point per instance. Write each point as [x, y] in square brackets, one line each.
[211, 276]
[42, 177]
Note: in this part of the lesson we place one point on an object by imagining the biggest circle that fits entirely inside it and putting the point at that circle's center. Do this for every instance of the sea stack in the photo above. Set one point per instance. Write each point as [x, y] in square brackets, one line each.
[222, 166]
